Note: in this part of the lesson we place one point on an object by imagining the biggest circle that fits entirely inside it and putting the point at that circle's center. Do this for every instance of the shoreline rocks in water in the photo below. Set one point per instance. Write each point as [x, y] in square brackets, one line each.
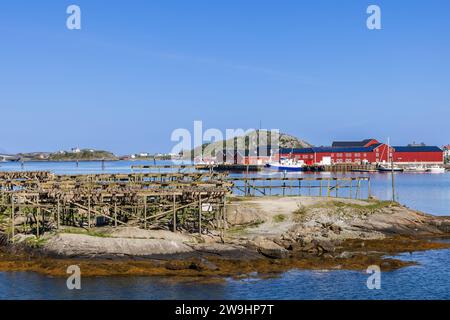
[266, 235]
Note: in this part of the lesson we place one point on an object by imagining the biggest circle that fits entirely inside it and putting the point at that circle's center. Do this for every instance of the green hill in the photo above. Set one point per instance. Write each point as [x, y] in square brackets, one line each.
[83, 155]
[285, 141]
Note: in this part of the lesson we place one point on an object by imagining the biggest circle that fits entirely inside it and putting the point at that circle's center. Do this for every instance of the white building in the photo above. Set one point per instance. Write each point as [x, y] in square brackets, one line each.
[447, 152]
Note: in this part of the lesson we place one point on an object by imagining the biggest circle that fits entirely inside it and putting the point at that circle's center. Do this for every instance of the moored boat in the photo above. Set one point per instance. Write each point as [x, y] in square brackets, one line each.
[389, 168]
[286, 165]
[436, 169]
[416, 169]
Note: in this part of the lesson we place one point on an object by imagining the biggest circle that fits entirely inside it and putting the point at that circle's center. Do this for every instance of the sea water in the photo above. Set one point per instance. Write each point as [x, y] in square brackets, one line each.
[430, 279]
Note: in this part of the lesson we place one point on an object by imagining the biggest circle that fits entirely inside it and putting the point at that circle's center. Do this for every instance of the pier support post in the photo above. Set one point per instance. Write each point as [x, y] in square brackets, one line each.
[351, 185]
[337, 188]
[328, 192]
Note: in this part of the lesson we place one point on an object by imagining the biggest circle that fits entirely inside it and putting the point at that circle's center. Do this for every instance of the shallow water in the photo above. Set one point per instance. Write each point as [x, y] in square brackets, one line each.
[428, 280]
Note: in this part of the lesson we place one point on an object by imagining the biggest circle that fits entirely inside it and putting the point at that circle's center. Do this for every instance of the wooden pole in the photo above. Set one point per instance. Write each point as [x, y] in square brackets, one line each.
[392, 176]
[145, 213]
[115, 214]
[89, 212]
[351, 185]
[58, 212]
[174, 214]
[38, 212]
[224, 213]
[337, 187]
[200, 214]
[12, 217]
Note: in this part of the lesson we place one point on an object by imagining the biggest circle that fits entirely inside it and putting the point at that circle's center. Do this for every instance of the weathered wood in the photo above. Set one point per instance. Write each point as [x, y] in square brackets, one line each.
[174, 214]
[13, 209]
[200, 214]
[151, 200]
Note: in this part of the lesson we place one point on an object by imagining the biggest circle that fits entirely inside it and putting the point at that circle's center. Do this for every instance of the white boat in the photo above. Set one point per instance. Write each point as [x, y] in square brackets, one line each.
[416, 169]
[388, 168]
[436, 169]
[286, 165]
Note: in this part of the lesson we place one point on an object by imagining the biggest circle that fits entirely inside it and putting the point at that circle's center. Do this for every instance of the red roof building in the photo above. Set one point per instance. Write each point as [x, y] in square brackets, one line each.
[365, 151]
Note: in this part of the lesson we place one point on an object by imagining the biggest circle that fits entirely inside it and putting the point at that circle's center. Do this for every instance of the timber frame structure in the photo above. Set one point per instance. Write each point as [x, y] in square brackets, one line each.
[179, 200]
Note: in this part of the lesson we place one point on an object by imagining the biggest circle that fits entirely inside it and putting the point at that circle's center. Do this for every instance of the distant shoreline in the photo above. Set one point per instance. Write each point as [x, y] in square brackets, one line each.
[66, 160]
[84, 160]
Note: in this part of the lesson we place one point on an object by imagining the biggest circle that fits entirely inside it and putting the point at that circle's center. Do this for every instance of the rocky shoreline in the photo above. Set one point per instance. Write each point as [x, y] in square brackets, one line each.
[265, 236]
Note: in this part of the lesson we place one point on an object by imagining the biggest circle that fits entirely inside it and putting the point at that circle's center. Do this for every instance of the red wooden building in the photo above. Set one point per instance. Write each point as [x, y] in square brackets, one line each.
[365, 151]
[421, 154]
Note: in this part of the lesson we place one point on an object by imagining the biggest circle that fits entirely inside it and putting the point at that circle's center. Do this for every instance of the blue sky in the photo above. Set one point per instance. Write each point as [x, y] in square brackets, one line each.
[137, 70]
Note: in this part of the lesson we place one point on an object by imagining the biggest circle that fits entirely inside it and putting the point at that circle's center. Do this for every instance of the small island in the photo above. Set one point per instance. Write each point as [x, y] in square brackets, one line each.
[75, 154]
[83, 155]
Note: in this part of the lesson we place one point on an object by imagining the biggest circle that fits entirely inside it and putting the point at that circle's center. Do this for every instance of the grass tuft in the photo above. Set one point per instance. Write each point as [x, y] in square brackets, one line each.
[279, 218]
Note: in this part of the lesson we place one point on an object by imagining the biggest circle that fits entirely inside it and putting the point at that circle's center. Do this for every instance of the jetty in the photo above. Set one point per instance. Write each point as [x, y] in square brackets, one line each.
[336, 167]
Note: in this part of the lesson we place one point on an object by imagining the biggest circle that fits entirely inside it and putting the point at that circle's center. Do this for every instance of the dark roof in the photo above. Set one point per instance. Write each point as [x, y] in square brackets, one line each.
[330, 149]
[417, 149]
[343, 144]
[359, 149]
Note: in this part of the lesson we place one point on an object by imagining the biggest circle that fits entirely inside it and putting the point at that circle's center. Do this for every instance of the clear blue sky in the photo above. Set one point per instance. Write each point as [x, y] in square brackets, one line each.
[139, 69]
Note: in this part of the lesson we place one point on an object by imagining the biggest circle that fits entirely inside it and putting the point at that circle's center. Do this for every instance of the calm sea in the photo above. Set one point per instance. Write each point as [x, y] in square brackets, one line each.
[429, 280]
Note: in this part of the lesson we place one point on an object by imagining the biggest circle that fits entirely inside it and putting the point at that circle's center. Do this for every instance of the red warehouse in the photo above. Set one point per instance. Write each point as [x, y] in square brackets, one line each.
[421, 154]
[365, 151]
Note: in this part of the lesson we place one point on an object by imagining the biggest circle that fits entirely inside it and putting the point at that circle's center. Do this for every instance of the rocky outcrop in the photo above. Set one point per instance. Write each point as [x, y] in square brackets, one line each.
[243, 214]
[322, 219]
[313, 232]
[269, 248]
[78, 245]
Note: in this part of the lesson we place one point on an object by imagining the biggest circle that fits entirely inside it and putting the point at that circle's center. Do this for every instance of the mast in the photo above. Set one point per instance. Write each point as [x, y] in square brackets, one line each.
[391, 155]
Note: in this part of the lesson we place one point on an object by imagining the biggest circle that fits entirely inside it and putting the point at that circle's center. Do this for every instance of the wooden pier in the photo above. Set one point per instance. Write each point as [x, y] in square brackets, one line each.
[299, 186]
[337, 167]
